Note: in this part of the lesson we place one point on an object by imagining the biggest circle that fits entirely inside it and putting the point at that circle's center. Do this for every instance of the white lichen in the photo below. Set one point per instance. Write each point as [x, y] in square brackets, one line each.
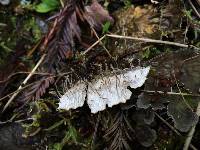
[109, 90]
[74, 97]
[4, 2]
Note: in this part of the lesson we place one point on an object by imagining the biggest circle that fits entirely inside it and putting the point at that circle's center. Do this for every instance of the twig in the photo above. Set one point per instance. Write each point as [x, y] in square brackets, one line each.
[35, 132]
[17, 121]
[24, 82]
[93, 45]
[152, 41]
[170, 126]
[170, 93]
[193, 7]
[101, 43]
[35, 47]
[139, 39]
[18, 90]
[173, 129]
[62, 3]
[192, 131]
[21, 72]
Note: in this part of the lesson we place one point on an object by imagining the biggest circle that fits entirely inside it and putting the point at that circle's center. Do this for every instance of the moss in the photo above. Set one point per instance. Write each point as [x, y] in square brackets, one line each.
[31, 25]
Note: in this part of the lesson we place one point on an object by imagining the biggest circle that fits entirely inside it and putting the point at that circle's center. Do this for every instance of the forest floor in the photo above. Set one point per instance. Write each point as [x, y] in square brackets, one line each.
[57, 54]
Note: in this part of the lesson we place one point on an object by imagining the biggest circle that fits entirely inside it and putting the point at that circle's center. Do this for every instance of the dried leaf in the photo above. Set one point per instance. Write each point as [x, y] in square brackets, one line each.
[118, 134]
[156, 101]
[96, 15]
[59, 43]
[164, 68]
[183, 117]
[144, 116]
[38, 89]
[145, 135]
[191, 74]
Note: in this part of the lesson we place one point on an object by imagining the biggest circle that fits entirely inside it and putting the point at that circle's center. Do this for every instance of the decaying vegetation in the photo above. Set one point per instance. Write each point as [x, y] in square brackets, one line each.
[51, 47]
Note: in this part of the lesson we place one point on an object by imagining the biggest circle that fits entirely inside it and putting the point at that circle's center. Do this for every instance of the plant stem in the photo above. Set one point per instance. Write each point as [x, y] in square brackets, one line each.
[24, 82]
[173, 129]
[192, 131]
[152, 41]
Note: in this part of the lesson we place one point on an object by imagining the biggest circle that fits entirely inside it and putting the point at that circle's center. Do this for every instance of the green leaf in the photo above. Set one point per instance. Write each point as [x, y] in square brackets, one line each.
[57, 146]
[106, 27]
[47, 6]
[146, 53]
[127, 3]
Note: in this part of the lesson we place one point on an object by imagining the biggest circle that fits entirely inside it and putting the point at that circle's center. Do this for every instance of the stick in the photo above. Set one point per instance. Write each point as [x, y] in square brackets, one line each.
[170, 93]
[173, 129]
[193, 7]
[24, 87]
[191, 132]
[97, 42]
[139, 39]
[152, 41]
[24, 82]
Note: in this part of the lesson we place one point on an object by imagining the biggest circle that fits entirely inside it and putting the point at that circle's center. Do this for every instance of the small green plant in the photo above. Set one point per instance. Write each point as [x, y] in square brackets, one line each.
[31, 25]
[71, 136]
[127, 3]
[47, 6]
[106, 27]
[188, 14]
[149, 52]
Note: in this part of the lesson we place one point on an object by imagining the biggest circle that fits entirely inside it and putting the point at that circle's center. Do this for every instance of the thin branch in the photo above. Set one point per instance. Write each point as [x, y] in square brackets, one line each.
[170, 93]
[18, 90]
[173, 129]
[101, 43]
[24, 82]
[193, 7]
[139, 39]
[170, 126]
[192, 131]
[152, 41]
[62, 3]
[21, 72]
[93, 45]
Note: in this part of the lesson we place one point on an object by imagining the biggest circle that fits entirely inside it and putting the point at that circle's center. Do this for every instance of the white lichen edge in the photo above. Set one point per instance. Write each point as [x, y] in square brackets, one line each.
[109, 91]
[74, 97]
